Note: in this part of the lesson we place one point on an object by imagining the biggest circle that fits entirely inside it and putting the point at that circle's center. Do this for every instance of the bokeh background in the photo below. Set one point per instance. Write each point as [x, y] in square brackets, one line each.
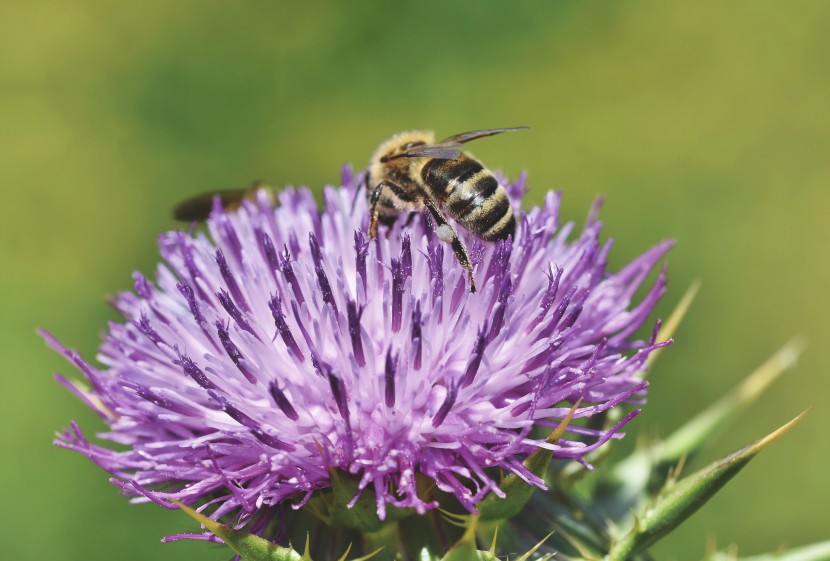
[706, 122]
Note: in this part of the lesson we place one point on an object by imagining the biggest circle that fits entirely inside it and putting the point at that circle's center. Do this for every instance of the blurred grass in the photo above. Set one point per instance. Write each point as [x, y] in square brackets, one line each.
[704, 122]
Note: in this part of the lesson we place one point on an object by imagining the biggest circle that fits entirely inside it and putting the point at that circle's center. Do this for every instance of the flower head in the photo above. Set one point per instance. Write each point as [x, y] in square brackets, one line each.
[282, 345]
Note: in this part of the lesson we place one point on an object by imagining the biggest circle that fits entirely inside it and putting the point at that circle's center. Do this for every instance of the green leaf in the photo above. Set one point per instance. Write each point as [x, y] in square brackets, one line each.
[680, 500]
[248, 546]
[517, 491]
[814, 552]
[691, 437]
[646, 468]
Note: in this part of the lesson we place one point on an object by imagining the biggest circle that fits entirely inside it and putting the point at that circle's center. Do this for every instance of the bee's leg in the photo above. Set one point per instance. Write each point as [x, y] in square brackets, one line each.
[376, 201]
[448, 234]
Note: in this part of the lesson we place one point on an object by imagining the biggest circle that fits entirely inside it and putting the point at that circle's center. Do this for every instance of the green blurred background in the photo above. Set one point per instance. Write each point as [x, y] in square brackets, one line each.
[706, 122]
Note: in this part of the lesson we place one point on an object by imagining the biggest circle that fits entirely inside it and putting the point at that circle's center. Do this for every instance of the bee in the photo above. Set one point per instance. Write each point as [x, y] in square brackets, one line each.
[411, 172]
[198, 207]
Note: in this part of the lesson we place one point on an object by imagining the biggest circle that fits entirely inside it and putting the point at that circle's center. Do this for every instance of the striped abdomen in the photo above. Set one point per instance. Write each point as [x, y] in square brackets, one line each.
[469, 193]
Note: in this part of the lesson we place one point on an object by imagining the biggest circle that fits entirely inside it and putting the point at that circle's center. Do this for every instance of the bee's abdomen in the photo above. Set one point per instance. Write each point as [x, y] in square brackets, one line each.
[444, 177]
[472, 196]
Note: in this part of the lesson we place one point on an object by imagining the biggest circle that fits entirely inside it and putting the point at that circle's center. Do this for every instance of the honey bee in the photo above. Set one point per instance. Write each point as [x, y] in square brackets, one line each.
[410, 172]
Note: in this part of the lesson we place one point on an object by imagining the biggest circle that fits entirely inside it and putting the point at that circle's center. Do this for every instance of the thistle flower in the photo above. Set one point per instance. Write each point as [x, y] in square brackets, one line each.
[282, 348]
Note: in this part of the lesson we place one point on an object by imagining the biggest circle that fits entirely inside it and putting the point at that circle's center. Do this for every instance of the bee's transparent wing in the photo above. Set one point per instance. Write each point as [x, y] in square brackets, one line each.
[472, 135]
[443, 151]
[450, 148]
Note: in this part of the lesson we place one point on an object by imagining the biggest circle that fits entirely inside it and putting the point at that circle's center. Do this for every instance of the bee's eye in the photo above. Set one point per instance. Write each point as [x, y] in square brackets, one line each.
[407, 146]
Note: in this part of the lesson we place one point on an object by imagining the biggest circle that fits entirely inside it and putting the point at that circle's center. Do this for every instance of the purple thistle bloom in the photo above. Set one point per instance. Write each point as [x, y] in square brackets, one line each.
[284, 344]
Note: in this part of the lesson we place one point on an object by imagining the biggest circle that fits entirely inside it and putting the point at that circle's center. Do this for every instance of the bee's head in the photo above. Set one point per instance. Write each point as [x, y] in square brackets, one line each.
[402, 142]
[382, 164]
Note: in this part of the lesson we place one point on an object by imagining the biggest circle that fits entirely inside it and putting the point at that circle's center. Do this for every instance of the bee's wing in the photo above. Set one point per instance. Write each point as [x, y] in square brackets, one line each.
[198, 207]
[443, 151]
[450, 148]
[472, 135]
